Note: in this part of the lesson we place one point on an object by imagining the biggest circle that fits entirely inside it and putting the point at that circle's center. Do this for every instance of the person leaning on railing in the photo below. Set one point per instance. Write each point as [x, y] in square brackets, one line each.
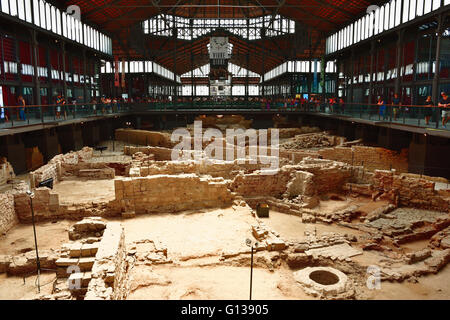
[381, 108]
[428, 109]
[444, 103]
[21, 104]
[396, 105]
[60, 102]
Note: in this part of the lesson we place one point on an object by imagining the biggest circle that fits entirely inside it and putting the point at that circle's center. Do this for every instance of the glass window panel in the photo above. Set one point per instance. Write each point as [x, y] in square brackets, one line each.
[36, 12]
[436, 4]
[392, 15]
[381, 23]
[42, 13]
[73, 28]
[80, 32]
[398, 12]
[13, 8]
[48, 17]
[427, 7]
[367, 26]
[412, 9]
[84, 35]
[69, 27]
[363, 28]
[5, 6]
[58, 21]
[64, 24]
[386, 16]
[377, 20]
[419, 10]
[21, 9]
[371, 21]
[28, 14]
[406, 11]
[53, 12]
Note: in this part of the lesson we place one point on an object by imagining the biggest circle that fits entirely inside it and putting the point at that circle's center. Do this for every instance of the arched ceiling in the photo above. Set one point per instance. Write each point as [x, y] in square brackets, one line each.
[121, 18]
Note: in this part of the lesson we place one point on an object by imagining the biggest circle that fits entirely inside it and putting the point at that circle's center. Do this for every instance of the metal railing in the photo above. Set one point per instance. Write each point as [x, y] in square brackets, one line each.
[18, 116]
[412, 115]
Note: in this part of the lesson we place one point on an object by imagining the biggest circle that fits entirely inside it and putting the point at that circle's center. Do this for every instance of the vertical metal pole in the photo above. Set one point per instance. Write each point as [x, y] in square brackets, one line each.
[435, 88]
[251, 272]
[37, 85]
[38, 262]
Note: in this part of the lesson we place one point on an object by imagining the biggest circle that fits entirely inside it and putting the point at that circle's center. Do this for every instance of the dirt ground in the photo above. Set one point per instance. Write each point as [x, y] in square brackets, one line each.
[13, 288]
[195, 241]
[49, 236]
[194, 234]
[76, 190]
[216, 282]
[291, 227]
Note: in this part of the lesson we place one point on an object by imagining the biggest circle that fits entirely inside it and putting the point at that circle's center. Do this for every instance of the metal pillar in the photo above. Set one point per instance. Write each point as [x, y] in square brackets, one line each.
[85, 95]
[372, 58]
[435, 87]
[400, 34]
[37, 84]
[352, 74]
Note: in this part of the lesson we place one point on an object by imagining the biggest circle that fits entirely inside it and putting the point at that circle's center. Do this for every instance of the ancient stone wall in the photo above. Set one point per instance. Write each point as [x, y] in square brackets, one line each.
[161, 154]
[411, 190]
[109, 272]
[144, 137]
[181, 192]
[312, 140]
[258, 184]
[8, 217]
[53, 169]
[90, 170]
[371, 158]
[6, 171]
[328, 175]
[45, 205]
[225, 169]
[225, 121]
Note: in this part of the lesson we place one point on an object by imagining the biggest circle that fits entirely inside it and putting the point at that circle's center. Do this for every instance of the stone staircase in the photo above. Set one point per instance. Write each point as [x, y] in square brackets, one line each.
[75, 266]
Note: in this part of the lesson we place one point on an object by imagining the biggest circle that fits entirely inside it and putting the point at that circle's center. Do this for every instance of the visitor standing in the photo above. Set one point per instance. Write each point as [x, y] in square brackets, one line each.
[444, 103]
[381, 108]
[396, 105]
[21, 103]
[428, 109]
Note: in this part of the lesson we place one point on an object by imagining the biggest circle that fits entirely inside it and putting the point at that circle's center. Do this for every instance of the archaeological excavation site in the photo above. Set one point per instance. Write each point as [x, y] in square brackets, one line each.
[192, 213]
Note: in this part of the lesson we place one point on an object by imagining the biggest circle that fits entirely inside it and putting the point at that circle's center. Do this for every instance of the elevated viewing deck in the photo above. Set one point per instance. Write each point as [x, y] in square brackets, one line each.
[409, 118]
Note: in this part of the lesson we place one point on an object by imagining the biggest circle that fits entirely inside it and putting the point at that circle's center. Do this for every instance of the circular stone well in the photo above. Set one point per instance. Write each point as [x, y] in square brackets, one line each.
[324, 282]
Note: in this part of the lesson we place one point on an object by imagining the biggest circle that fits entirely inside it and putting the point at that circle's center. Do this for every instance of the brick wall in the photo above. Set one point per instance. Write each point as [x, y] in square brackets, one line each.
[45, 205]
[53, 169]
[371, 157]
[411, 190]
[257, 184]
[5, 171]
[181, 192]
[109, 272]
[161, 154]
[144, 137]
[8, 216]
[328, 175]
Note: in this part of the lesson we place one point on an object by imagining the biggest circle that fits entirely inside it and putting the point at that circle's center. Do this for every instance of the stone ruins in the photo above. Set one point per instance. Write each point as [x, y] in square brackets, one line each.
[130, 223]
